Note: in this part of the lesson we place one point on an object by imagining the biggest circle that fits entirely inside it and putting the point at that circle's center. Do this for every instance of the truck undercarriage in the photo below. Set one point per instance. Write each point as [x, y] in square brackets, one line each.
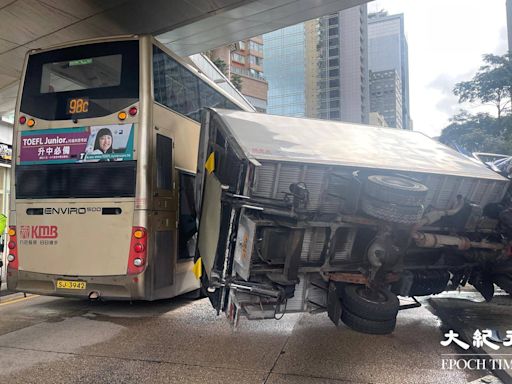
[292, 223]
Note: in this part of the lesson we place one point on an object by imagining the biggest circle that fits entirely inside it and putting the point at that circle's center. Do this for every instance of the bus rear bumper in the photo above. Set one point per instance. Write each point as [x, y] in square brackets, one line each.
[105, 287]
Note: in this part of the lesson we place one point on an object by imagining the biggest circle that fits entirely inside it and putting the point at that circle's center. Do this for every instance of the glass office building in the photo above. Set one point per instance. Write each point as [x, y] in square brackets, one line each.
[388, 51]
[285, 69]
[320, 68]
[386, 96]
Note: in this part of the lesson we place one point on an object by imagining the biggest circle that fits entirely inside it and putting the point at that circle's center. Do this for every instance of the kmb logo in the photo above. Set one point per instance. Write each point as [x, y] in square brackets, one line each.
[39, 232]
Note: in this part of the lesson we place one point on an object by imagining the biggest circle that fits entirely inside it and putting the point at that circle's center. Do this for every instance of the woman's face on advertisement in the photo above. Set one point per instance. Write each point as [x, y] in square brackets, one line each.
[105, 143]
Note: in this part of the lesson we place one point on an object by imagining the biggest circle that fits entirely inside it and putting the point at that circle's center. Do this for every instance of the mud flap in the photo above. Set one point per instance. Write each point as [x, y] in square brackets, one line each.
[483, 284]
[333, 304]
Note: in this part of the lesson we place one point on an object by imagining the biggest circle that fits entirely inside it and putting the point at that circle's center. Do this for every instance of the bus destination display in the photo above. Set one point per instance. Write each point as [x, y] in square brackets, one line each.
[77, 105]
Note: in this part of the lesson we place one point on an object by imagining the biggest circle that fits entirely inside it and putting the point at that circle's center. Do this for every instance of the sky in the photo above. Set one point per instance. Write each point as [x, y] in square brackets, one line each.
[446, 39]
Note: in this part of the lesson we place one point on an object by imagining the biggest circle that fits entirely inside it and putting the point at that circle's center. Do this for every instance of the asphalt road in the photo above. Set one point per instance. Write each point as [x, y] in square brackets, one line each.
[55, 340]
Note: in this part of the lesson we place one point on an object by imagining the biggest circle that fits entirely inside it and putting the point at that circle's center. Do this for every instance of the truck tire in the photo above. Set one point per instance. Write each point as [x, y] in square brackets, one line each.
[394, 189]
[504, 282]
[378, 305]
[395, 213]
[362, 325]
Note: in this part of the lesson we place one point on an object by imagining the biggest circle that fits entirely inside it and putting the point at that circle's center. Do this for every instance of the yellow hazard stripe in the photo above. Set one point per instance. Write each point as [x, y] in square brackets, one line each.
[198, 268]
[17, 300]
[210, 163]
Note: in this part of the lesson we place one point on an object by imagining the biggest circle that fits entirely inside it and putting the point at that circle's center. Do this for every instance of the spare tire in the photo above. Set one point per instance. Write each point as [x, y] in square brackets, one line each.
[375, 304]
[396, 213]
[393, 198]
[395, 189]
[362, 325]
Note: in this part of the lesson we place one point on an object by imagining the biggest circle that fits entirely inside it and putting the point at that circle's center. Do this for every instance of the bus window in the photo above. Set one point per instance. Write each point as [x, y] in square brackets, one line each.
[72, 75]
[179, 89]
[83, 81]
[187, 217]
[163, 162]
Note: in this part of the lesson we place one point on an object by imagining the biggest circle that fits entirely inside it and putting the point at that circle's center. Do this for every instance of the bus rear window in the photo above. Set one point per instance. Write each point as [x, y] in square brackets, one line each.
[72, 75]
[83, 81]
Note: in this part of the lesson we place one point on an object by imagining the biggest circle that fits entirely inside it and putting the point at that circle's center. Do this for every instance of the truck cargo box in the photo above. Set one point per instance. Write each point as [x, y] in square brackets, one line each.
[293, 208]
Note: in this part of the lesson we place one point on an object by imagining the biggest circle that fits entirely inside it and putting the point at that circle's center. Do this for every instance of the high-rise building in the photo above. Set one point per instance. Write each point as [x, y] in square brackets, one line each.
[319, 68]
[285, 70]
[388, 51]
[342, 85]
[244, 65]
[386, 96]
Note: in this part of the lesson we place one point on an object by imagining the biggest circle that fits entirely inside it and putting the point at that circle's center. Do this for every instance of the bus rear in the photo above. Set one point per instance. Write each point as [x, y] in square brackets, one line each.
[75, 227]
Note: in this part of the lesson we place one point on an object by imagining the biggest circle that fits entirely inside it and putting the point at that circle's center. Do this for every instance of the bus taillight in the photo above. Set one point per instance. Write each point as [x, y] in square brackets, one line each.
[12, 257]
[138, 246]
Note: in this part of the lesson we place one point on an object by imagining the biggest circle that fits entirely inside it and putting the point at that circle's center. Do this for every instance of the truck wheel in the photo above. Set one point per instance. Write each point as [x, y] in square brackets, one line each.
[375, 304]
[394, 189]
[362, 325]
[504, 282]
[395, 213]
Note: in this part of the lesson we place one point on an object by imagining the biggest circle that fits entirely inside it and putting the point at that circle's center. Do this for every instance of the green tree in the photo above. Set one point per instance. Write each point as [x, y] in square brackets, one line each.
[236, 80]
[478, 133]
[492, 84]
[221, 64]
[482, 132]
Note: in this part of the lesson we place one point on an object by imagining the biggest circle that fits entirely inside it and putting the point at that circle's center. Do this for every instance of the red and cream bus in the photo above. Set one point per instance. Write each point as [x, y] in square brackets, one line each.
[106, 138]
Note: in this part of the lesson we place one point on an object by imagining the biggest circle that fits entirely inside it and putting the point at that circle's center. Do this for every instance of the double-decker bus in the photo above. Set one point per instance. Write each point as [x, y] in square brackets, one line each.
[106, 136]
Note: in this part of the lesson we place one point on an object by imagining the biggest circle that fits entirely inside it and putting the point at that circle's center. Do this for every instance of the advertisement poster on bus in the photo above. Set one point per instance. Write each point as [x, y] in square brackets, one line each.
[77, 145]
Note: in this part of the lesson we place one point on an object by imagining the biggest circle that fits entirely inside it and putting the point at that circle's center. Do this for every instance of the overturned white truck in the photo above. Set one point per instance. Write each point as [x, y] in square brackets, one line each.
[304, 215]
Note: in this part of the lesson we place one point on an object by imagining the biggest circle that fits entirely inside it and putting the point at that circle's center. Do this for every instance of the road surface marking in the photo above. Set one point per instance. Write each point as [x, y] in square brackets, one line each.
[18, 300]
